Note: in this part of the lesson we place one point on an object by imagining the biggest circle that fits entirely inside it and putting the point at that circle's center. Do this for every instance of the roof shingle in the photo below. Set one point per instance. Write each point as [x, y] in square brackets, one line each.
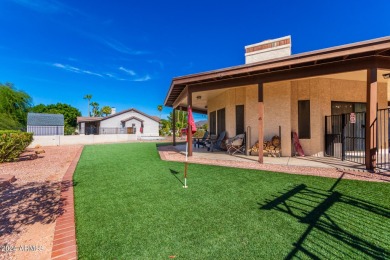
[40, 119]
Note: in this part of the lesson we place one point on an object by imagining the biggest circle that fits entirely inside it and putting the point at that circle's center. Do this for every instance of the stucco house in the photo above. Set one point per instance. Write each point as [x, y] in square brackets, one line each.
[302, 93]
[130, 121]
[45, 124]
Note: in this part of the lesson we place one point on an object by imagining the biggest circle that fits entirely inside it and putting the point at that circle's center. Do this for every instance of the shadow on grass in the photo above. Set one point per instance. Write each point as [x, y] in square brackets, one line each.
[30, 203]
[169, 144]
[338, 226]
[174, 173]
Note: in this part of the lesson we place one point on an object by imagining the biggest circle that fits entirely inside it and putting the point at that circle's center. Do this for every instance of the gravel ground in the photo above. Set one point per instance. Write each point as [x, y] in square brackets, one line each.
[30, 206]
[169, 153]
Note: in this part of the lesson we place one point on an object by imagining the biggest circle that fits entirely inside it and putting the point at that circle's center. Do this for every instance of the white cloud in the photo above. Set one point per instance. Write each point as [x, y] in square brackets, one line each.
[76, 70]
[145, 78]
[133, 74]
[113, 76]
[120, 47]
[107, 75]
[130, 72]
[92, 73]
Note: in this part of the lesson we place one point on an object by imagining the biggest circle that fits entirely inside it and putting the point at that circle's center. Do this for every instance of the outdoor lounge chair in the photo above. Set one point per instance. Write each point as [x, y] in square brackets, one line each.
[236, 144]
[203, 141]
[216, 144]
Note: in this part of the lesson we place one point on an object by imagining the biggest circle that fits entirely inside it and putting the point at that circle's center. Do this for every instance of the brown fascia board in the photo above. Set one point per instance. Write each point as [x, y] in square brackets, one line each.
[328, 53]
[128, 110]
[88, 119]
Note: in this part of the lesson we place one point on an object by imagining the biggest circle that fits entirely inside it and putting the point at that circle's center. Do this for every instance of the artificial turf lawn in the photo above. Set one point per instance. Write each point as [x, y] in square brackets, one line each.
[131, 205]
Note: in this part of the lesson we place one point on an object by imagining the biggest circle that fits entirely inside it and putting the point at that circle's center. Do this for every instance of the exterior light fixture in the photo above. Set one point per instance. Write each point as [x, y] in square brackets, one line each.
[198, 97]
[386, 76]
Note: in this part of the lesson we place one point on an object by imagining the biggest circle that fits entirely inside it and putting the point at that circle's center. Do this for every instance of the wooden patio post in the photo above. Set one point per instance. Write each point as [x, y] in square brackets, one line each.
[261, 121]
[372, 106]
[189, 132]
[174, 126]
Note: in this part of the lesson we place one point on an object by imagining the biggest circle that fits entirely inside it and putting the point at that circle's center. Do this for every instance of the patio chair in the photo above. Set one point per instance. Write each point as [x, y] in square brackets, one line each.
[216, 144]
[236, 144]
[203, 141]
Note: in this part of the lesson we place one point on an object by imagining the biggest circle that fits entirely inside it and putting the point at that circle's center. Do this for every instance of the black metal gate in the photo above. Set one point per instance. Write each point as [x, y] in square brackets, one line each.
[345, 137]
[383, 139]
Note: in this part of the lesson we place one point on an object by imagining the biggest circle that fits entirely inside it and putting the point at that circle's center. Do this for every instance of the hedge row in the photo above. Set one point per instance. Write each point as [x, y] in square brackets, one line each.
[12, 144]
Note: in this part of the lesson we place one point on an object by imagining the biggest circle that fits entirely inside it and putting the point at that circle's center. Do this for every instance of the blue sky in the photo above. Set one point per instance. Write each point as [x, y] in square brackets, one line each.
[125, 53]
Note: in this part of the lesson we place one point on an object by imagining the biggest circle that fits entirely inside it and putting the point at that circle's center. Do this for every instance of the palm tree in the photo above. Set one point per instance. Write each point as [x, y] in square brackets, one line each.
[88, 97]
[95, 109]
[181, 120]
[160, 108]
[106, 110]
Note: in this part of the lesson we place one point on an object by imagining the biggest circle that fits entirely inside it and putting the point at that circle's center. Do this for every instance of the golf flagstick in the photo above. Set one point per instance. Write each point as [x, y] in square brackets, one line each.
[186, 166]
[190, 130]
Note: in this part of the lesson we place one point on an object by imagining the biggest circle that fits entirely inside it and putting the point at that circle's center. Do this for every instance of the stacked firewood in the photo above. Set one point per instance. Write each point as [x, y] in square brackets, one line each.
[270, 148]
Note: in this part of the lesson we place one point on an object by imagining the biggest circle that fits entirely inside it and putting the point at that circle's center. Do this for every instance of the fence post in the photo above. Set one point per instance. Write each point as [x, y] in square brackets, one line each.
[325, 135]
[343, 125]
[248, 140]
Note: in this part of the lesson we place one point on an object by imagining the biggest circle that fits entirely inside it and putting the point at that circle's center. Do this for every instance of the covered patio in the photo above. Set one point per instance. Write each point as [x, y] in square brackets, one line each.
[313, 166]
[272, 92]
[308, 161]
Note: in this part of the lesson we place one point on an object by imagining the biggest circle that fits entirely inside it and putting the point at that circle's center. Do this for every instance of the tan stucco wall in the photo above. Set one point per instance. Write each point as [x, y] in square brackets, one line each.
[251, 112]
[228, 100]
[318, 91]
[279, 104]
[281, 108]
[388, 90]
[321, 92]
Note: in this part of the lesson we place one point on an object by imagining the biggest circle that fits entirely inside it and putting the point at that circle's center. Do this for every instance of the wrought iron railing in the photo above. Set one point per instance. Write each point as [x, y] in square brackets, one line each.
[106, 130]
[345, 137]
[382, 139]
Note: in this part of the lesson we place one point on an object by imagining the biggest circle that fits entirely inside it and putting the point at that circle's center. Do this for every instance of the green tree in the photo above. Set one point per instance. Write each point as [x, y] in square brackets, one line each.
[8, 123]
[160, 108]
[166, 127]
[70, 113]
[41, 108]
[14, 105]
[95, 109]
[88, 97]
[106, 110]
[181, 120]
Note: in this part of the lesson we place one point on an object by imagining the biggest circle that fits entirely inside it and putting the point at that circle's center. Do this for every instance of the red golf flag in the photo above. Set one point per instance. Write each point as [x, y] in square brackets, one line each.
[191, 121]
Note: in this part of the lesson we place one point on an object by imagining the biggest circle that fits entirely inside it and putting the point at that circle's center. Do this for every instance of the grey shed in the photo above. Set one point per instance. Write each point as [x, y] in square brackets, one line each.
[45, 124]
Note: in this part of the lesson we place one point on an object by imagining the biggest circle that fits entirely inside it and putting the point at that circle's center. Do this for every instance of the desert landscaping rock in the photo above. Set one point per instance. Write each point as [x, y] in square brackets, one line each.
[31, 204]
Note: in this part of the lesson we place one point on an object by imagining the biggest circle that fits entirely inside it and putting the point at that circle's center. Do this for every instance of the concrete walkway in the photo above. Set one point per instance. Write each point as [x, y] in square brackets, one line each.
[309, 161]
[314, 166]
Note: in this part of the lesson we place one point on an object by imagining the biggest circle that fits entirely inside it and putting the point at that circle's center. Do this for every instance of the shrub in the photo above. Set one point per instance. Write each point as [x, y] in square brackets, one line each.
[199, 133]
[69, 130]
[12, 144]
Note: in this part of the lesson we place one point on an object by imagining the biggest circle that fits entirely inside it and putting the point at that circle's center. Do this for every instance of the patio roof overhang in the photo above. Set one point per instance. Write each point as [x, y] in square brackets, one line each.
[346, 58]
